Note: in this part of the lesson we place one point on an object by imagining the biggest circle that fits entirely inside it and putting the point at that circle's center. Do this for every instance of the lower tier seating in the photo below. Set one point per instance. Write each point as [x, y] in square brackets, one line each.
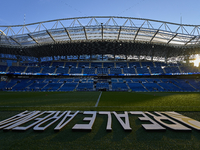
[91, 84]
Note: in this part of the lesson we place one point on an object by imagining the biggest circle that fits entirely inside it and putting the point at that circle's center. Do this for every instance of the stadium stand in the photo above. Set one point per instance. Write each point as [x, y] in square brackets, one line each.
[108, 65]
[3, 68]
[143, 70]
[137, 87]
[107, 57]
[85, 87]
[68, 87]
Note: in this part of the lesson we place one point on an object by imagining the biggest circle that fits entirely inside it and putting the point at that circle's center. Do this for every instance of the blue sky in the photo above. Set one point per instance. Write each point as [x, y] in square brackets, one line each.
[12, 11]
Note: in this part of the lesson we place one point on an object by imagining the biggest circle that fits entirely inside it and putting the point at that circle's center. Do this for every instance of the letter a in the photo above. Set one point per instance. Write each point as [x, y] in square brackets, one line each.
[125, 124]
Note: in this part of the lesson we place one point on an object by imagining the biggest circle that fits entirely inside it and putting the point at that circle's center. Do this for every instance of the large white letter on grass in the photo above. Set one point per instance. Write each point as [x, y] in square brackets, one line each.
[14, 118]
[160, 118]
[18, 127]
[186, 120]
[152, 126]
[125, 124]
[68, 115]
[91, 119]
[15, 123]
[54, 118]
[109, 122]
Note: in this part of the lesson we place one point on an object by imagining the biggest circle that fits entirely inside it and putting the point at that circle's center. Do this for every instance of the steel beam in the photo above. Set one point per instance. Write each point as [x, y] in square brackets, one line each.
[85, 33]
[190, 40]
[136, 34]
[2, 33]
[50, 35]
[15, 40]
[172, 38]
[33, 39]
[119, 33]
[102, 31]
[68, 34]
[154, 36]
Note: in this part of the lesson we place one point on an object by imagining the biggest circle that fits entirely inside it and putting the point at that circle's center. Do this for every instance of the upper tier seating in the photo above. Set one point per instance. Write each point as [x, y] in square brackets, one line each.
[33, 70]
[121, 64]
[89, 71]
[14, 69]
[172, 70]
[71, 64]
[115, 71]
[75, 70]
[3, 68]
[117, 67]
[190, 69]
[108, 65]
[102, 70]
[62, 70]
[132, 64]
[48, 70]
[83, 64]
[149, 64]
[58, 64]
[47, 63]
[159, 64]
[156, 70]
[96, 65]
[143, 70]
[129, 70]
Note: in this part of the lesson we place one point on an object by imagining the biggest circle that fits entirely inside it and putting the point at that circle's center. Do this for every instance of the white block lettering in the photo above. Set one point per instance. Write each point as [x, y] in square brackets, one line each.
[14, 118]
[18, 127]
[11, 125]
[54, 118]
[186, 120]
[90, 119]
[109, 121]
[160, 118]
[153, 126]
[68, 115]
[125, 124]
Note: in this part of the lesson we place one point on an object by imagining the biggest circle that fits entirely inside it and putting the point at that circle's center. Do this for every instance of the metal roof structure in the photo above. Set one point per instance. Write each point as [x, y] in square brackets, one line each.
[60, 34]
[100, 28]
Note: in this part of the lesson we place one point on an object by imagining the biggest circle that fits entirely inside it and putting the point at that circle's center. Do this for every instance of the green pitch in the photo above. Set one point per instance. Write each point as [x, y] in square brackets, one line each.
[117, 101]
[12, 103]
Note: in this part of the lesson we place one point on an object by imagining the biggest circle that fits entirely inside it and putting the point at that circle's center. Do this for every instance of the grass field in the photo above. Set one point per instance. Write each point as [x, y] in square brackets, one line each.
[12, 103]
[117, 101]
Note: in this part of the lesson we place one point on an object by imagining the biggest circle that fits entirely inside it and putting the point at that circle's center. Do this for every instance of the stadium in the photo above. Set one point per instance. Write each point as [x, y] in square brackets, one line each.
[100, 63]
[100, 53]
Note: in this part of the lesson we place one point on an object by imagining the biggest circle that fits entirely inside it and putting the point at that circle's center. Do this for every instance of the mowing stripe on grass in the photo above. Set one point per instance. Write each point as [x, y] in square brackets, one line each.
[107, 106]
[98, 100]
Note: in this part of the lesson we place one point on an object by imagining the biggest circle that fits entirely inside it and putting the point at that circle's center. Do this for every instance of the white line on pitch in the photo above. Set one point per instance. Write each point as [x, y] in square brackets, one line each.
[98, 100]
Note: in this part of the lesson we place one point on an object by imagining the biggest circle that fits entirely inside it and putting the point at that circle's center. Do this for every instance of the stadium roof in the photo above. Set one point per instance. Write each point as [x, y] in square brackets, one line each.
[101, 35]
[99, 28]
